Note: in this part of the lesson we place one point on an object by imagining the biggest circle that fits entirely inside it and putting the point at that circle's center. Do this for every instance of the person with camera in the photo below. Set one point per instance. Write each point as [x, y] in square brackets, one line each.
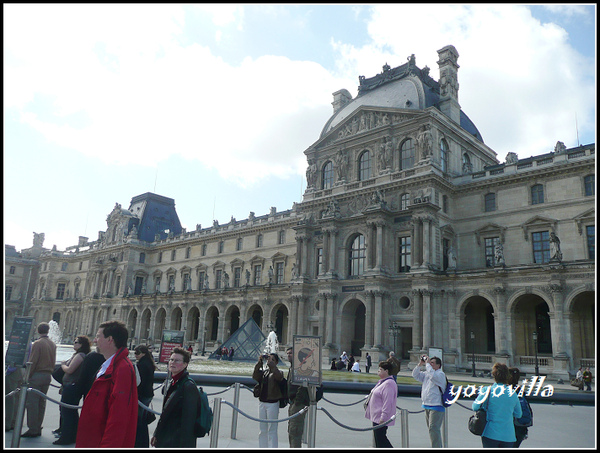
[434, 380]
[268, 377]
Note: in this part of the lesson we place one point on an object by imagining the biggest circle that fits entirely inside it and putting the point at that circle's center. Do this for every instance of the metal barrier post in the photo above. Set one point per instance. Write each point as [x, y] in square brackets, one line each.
[16, 439]
[312, 416]
[214, 432]
[445, 429]
[404, 427]
[236, 403]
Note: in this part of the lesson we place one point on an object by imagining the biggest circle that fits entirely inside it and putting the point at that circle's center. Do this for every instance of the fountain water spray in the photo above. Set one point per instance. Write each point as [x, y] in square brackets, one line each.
[55, 333]
[271, 344]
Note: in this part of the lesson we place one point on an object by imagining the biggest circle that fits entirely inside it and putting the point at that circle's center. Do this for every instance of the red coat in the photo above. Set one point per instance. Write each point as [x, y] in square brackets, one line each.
[109, 414]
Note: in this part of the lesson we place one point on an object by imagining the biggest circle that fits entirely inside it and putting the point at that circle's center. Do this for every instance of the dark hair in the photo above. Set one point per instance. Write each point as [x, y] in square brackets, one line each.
[85, 344]
[117, 330]
[186, 354]
[43, 328]
[515, 375]
[438, 361]
[500, 373]
[143, 349]
[385, 365]
[275, 356]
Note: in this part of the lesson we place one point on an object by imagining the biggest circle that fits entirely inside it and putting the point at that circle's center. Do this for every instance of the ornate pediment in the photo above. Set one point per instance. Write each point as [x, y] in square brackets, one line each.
[538, 222]
[490, 228]
[588, 216]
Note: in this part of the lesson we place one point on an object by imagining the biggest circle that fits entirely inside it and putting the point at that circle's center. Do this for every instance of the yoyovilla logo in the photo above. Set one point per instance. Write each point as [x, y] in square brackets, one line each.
[534, 387]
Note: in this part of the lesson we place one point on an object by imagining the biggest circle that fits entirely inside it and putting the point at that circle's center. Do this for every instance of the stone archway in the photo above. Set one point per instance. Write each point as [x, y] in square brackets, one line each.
[160, 323]
[479, 319]
[531, 314]
[212, 323]
[352, 332]
[192, 324]
[145, 326]
[583, 327]
[176, 319]
[256, 312]
[280, 323]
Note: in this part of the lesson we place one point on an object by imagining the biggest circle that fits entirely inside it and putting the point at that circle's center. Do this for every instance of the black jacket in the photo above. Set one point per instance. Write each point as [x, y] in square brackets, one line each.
[146, 369]
[175, 427]
[89, 368]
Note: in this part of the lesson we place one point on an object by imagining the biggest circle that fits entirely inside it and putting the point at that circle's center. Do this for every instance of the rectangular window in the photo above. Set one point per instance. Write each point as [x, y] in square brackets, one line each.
[60, 291]
[218, 279]
[221, 246]
[445, 248]
[203, 250]
[237, 277]
[80, 265]
[490, 202]
[188, 252]
[278, 273]
[259, 241]
[590, 185]
[541, 247]
[7, 292]
[142, 258]
[257, 274]
[282, 237]
[239, 244]
[537, 194]
[173, 254]
[118, 284]
[405, 258]
[591, 237]
[139, 284]
[160, 257]
[63, 267]
[12, 269]
[201, 279]
[490, 251]
[320, 270]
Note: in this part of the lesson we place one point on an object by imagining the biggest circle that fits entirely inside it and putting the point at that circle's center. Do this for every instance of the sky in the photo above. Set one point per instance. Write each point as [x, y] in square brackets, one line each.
[214, 105]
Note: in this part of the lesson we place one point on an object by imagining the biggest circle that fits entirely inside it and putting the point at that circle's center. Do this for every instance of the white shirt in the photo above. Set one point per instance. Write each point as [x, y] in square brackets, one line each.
[105, 366]
[356, 367]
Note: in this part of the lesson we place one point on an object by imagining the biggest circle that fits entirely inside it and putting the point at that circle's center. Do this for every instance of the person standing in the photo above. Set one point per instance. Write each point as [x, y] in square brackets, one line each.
[69, 418]
[395, 365]
[502, 408]
[109, 413]
[381, 404]
[175, 428]
[268, 378]
[369, 363]
[231, 352]
[146, 367]
[299, 399]
[13, 380]
[434, 380]
[579, 378]
[520, 430]
[587, 379]
[43, 359]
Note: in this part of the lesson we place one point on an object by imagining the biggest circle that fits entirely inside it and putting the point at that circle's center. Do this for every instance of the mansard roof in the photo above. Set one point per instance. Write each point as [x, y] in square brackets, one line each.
[157, 214]
[403, 87]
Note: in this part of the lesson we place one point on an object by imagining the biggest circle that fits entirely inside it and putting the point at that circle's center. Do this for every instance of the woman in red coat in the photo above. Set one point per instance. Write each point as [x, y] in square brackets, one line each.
[109, 414]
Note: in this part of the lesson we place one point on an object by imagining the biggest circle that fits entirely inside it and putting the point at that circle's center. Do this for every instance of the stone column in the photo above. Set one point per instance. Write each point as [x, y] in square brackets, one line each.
[426, 241]
[557, 321]
[371, 246]
[299, 254]
[322, 311]
[378, 319]
[333, 265]
[417, 324]
[330, 317]
[97, 283]
[326, 251]
[369, 320]
[301, 315]
[379, 260]
[111, 277]
[418, 245]
[426, 318]
[500, 321]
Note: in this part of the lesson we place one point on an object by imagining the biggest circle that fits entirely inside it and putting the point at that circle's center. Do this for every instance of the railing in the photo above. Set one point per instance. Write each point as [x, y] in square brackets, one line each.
[530, 360]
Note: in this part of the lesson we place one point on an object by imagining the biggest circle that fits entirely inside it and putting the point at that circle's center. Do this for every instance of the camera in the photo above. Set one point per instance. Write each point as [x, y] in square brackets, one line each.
[424, 358]
[265, 356]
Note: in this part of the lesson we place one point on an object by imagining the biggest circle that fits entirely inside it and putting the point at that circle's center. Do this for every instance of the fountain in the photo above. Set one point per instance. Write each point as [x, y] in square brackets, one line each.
[271, 343]
[55, 333]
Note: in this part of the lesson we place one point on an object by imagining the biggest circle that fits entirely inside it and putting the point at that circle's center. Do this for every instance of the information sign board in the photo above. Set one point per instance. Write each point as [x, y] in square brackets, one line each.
[19, 341]
[171, 339]
[306, 362]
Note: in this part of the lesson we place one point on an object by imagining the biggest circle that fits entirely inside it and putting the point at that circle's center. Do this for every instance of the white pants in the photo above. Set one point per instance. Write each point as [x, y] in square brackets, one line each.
[267, 436]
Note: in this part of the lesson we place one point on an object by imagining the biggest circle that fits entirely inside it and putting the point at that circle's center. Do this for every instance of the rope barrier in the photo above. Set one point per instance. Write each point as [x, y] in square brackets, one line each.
[13, 393]
[218, 393]
[357, 429]
[297, 414]
[345, 405]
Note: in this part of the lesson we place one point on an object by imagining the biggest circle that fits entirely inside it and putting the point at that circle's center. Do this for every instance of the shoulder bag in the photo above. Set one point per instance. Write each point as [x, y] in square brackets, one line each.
[478, 420]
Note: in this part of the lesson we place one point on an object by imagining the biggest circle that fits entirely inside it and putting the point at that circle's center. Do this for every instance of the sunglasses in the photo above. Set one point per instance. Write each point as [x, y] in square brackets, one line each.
[76, 342]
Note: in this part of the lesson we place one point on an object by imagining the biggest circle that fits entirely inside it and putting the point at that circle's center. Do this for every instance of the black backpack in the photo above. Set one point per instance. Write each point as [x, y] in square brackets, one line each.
[204, 414]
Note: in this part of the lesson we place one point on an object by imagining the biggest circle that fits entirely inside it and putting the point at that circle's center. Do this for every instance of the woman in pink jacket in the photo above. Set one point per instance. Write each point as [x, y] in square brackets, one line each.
[381, 404]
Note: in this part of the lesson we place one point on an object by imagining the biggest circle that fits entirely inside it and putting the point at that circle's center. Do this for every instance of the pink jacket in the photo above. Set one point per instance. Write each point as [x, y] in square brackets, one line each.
[382, 402]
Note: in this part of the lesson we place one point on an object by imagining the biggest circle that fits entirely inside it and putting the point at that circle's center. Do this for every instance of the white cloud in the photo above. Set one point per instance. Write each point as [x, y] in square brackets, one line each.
[520, 81]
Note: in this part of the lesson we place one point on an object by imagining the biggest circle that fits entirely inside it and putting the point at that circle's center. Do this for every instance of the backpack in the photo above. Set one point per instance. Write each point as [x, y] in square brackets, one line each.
[527, 417]
[446, 395]
[204, 415]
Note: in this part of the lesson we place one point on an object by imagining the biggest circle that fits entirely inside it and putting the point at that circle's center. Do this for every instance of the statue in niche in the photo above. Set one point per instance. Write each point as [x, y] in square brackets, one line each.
[247, 277]
[385, 153]
[333, 210]
[225, 280]
[499, 254]
[133, 234]
[38, 239]
[157, 286]
[424, 142]
[451, 258]
[294, 271]
[555, 253]
[311, 173]
[206, 286]
[341, 164]
[271, 275]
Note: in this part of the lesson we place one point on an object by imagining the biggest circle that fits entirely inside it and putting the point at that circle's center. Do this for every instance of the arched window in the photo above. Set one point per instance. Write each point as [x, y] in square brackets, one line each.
[407, 155]
[364, 166]
[357, 256]
[467, 166]
[444, 156]
[327, 176]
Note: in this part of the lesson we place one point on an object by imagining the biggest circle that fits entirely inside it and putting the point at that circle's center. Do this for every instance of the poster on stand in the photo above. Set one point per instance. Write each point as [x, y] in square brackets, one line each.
[19, 341]
[171, 339]
[306, 362]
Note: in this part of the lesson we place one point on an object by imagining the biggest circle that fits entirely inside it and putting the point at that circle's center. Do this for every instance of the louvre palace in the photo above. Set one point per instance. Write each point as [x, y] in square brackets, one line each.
[411, 235]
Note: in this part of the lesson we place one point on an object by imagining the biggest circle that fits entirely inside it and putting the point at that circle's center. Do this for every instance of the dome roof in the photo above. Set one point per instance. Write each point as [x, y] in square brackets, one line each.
[404, 87]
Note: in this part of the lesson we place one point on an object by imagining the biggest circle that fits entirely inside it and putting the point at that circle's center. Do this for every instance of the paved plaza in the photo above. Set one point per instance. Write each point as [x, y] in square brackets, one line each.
[555, 425]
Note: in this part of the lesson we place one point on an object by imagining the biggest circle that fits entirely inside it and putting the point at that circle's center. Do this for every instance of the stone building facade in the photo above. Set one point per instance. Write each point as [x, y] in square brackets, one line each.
[411, 235]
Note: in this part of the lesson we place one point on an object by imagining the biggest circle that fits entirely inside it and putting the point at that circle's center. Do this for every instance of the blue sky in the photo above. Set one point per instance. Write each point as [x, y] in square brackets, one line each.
[214, 105]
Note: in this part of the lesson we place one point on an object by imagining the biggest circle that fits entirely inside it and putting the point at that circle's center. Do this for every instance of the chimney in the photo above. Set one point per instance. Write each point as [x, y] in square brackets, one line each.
[340, 99]
[448, 57]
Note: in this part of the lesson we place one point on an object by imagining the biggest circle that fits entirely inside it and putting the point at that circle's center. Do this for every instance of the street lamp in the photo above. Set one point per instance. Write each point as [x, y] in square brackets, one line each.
[204, 342]
[537, 368]
[473, 351]
[394, 330]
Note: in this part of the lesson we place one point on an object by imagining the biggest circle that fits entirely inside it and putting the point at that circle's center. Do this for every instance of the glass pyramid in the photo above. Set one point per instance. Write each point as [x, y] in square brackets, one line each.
[248, 342]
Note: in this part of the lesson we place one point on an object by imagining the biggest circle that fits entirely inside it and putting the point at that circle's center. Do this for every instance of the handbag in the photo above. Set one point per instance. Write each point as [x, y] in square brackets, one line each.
[58, 374]
[477, 421]
[366, 403]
